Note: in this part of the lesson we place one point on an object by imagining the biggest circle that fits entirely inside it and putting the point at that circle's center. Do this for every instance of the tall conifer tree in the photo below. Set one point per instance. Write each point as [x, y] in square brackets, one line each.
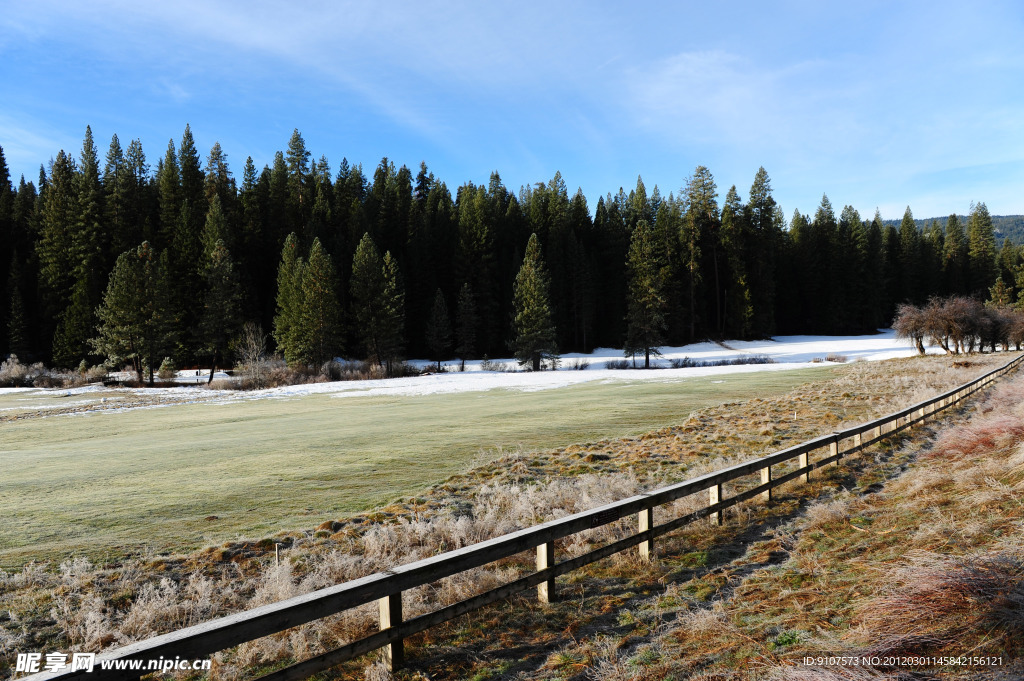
[287, 321]
[534, 328]
[439, 329]
[367, 291]
[136, 322]
[645, 321]
[981, 249]
[466, 324]
[761, 257]
[699, 238]
[320, 318]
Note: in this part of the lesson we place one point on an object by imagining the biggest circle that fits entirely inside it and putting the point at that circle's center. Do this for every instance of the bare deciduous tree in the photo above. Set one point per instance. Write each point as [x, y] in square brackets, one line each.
[910, 324]
[251, 350]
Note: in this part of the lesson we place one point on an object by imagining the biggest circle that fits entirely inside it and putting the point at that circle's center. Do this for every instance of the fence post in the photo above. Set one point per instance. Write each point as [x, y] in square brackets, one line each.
[805, 460]
[858, 441]
[546, 559]
[714, 496]
[833, 448]
[766, 477]
[390, 616]
[646, 522]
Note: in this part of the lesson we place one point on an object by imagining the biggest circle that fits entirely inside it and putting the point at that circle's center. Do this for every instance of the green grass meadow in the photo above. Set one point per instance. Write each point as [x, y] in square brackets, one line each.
[111, 484]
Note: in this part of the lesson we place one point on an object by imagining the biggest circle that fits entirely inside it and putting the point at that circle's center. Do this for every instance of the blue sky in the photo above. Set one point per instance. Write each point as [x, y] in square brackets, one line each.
[876, 104]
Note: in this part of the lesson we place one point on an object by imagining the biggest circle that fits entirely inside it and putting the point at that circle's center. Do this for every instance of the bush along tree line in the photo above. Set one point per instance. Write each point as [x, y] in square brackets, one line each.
[961, 325]
[117, 259]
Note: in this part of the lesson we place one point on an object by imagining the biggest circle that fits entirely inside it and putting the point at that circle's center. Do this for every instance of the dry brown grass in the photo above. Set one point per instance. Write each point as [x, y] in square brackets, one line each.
[93, 607]
[929, 565]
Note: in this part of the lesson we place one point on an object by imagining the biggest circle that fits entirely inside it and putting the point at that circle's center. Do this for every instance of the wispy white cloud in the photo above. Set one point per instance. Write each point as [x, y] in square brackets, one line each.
[26, 147]
[173, 90]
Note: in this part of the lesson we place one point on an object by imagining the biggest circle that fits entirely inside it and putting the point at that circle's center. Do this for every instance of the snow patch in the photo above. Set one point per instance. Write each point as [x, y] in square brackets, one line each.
[788, 353]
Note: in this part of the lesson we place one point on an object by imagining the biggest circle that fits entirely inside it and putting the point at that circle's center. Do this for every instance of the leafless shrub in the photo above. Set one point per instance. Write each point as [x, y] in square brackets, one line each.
[17, 375]
[278, 373]
[251, 351]
[687, 363]
[491, 365]
[400, 369]
[617, 364]
[48, 380]
[225, 384]
[837, 358]
[1015, 331]
[910, 324]
[958, 323]
[579, 364]
[356, 371]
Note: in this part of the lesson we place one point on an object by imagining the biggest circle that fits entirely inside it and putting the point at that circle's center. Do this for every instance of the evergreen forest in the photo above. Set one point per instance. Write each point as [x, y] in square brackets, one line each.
[129, 257]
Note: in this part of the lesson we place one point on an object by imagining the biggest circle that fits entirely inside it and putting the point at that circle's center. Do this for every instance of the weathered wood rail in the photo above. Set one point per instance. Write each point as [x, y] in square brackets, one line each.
[386, 587]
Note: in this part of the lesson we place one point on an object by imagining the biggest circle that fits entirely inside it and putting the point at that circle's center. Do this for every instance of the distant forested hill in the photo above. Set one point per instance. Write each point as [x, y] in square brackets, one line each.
[1007, 227]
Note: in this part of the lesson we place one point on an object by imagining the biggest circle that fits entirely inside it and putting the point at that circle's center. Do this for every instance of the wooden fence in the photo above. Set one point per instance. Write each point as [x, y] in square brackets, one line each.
[202, 640]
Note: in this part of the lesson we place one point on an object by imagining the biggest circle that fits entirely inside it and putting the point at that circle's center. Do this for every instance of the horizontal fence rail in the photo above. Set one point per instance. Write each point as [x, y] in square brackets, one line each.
[386, 587]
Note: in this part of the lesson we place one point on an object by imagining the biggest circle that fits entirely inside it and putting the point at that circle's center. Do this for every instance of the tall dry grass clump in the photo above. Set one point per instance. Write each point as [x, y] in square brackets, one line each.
[940, 602]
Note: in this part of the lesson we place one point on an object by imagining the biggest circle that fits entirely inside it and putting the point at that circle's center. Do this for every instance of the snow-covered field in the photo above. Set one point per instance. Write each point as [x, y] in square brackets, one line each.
[788, 352]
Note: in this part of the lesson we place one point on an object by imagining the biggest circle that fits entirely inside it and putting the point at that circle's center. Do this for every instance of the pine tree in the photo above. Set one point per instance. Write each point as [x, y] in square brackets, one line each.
[645, 321]
[7, 244]
[859, 276]
[220, 320]
[74, 328]
[699, 239]
[287, 321]
[465, 326]
[392, 314]
[981, 249]
[215, 230]
[999, 294]
[439, 329]
[761, 257]
[320, 318]
[954, 257]
[910, 259]
[533, 327]
[186, 243]
[367, 290]
[298, 167]
[218, 180]
[193, 181]
[141, 221]
[115, 188]
[738, 313]
[168, 182]
[825, 257]
[136, 323]
[55, 246]
[17, 328]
